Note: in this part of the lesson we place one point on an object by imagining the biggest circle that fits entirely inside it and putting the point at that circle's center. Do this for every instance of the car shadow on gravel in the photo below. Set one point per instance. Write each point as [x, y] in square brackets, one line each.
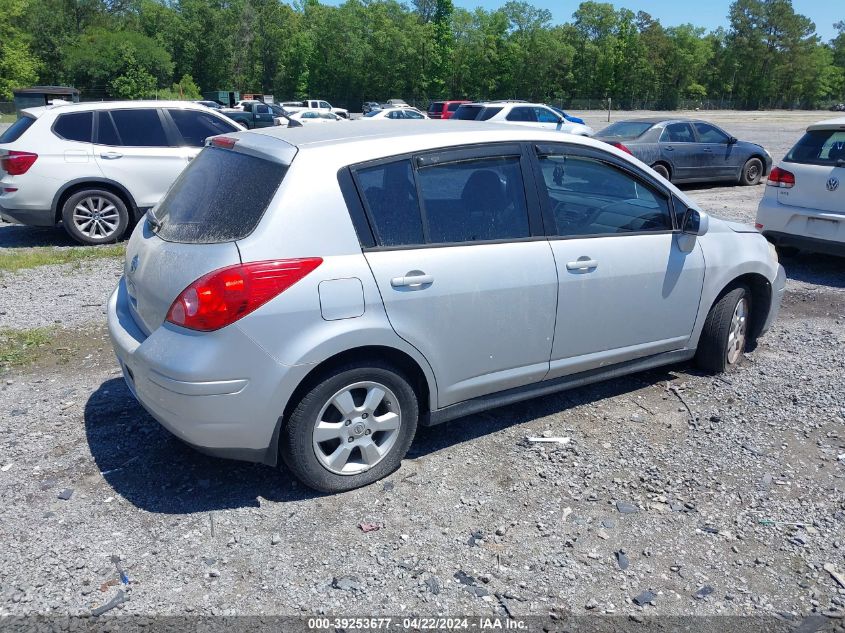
[156, 472]
[19, 236]
[815, 268]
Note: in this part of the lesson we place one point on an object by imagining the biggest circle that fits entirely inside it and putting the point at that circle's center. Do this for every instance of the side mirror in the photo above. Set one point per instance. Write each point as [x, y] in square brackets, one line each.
[732, 140]
[695, 222]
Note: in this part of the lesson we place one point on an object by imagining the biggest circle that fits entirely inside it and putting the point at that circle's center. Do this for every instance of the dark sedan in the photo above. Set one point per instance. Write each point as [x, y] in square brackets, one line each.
[686, 150]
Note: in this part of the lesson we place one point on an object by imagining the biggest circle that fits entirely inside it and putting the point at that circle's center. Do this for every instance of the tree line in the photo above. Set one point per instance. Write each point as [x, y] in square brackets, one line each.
[768, 56]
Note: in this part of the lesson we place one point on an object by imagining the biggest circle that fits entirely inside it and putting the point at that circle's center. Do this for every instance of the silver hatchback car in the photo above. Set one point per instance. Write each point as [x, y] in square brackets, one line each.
[314, 294]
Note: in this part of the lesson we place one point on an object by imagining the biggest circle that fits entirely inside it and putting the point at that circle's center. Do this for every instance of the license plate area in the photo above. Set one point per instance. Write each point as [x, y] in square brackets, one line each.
[822, 227]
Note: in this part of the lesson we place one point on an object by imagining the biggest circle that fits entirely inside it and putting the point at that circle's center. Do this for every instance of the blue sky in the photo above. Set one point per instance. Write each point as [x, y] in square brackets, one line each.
[710, 13]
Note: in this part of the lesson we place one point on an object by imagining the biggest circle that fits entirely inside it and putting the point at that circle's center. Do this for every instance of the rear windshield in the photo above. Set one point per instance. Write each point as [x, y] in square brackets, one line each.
[625, 130]
[13, 133]
[437, 106]
[819, 147]
[467, 112]
[220, 197]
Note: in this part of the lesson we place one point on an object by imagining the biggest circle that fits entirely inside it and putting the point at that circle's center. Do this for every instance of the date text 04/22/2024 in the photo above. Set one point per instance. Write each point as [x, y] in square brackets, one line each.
[416, 624]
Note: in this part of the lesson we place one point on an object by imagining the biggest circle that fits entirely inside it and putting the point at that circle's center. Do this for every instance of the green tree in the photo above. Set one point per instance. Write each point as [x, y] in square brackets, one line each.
[18, 67]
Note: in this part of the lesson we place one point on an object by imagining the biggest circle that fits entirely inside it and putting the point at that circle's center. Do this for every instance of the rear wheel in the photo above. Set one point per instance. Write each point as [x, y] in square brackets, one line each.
[752, 171]
[661, 169]
[725, 334]
[95, 216]
[352, 428]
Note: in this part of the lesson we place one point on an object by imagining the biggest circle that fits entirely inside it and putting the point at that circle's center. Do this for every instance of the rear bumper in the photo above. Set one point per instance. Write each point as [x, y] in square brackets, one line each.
[800, 227]
[803, 242]
[217, 391]
[29, 217]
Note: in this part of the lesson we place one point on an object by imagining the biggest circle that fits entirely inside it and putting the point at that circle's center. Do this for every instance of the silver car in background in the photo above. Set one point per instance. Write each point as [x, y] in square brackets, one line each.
[315, 294]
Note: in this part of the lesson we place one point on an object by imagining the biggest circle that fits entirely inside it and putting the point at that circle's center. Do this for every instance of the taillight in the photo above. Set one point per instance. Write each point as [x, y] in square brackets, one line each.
[781, 178]
[223, 296]
[621, 146]
[758, 226]
[17, 163]
[224, 142]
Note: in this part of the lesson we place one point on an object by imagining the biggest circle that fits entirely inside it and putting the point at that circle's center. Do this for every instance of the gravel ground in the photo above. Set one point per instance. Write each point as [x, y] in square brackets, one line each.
[722, 496]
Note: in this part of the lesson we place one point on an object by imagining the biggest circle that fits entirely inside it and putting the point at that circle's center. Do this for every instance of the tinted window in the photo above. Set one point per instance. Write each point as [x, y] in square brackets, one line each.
[220, 197]
[522, 114]
[262, 109]
[106, 132]
[325, 104]
[391, 200]
[435, 107]
[489, 113]
[410, 114]
[625, 130]
[74, 127]
[195, 126]
[710, 134]
[453, 106]
[819, 147]
[474, 200]
[140, 128]
[678, 133]
[588, 197]
[468, 112]
[20, 126]
[546, 116]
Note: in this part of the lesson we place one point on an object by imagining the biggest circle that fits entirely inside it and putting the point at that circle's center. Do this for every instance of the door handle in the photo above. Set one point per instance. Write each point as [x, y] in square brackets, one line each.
[669, 148]
[111, 155]
[582, 264]
[412, 280]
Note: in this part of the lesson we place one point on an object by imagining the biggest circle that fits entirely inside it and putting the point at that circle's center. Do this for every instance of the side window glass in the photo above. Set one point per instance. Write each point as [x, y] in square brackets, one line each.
[262, 109]
[324, 104]
[709, 134]
[140, 128]
[546, 116]
[391, 200]
[521, 114]
[474, 200]
[106, 132]
[75, 127]
[678, 133]
[588, 197]
[195, 127]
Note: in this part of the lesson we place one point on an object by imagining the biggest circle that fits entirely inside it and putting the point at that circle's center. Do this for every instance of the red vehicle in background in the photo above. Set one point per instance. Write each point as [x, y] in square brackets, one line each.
[443, 109]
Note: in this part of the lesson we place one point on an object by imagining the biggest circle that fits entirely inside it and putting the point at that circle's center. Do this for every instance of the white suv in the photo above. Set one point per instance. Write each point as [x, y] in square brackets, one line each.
[97, 167]
[520, 113]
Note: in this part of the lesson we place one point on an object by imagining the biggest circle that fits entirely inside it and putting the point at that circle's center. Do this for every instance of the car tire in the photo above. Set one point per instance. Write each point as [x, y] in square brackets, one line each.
[95, 216]
[725, 335]
[328, 446]
[752, 171]
[661, 169]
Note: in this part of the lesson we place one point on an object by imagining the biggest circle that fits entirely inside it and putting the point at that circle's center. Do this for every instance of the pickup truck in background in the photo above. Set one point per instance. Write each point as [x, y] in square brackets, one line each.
[314, 104]
[256, 114]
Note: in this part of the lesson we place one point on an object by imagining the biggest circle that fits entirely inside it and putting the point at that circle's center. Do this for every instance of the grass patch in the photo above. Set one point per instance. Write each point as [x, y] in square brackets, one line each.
[22, 347]
[8, 118]
[20, 258]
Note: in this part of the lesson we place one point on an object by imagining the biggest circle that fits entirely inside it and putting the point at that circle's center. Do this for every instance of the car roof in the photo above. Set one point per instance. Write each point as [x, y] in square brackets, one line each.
[828, 124]
[490, 104]
[110, 105]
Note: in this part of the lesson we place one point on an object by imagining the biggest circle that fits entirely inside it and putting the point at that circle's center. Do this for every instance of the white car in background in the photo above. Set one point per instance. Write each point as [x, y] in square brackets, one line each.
[96, 168]
[396, 112]
[803, 206]
[520, 113]
[313, 117]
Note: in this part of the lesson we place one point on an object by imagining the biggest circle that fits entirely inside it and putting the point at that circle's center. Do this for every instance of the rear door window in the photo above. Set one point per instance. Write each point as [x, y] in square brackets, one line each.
[106, 131]
[474, 200]
[819, 147]
[522, 114]
[453, 106]
[140, 127]
[196, 126]
[391, 201]
[678, 133]
[220, 197]
[17, 129]
[74, 127]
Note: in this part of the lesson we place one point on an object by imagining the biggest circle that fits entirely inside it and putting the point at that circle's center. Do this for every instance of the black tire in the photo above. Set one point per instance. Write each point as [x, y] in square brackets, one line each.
[661, 169]
[752, 172]
[298, 451]
[112, 226]
[712, 354]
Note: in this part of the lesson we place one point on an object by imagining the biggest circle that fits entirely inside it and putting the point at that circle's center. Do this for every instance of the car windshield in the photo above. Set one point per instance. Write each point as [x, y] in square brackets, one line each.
[819, 147]
[220, 197]
[20, 126]
[626, 130]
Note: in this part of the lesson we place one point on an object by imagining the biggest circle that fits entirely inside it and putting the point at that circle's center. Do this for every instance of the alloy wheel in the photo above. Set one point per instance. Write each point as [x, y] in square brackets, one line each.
[738, 331]
[96, 217]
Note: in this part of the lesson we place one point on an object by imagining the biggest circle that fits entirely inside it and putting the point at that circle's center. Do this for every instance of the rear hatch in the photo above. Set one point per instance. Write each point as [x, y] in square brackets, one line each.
[13, 134]
[219, 199]
[435, 110]
[818, 163]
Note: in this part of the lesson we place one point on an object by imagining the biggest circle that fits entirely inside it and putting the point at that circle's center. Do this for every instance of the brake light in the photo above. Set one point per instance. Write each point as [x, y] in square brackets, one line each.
[758, 226]
[17, 163]
[223, 296]
[781, 178]
[224, 142]
[621, 146]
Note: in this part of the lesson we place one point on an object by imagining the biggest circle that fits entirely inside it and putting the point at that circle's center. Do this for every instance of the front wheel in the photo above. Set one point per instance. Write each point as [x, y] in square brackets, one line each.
[725, 334]
[752, 171]
[352, 428]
